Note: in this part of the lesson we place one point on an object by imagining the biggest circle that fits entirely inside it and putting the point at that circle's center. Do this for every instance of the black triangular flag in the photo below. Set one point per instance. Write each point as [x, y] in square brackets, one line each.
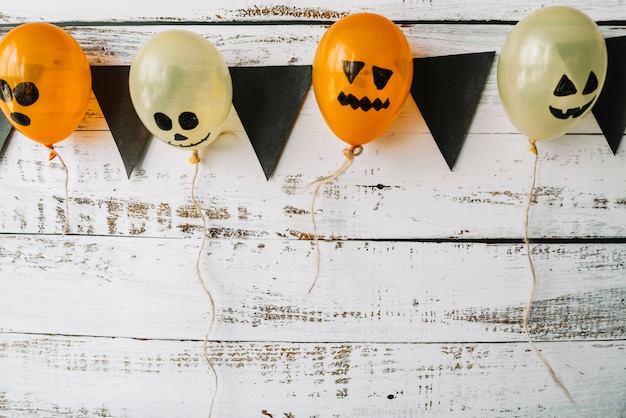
[5, 129]
[110, 85]
[610, 109]
[267, 100]
[447, 90]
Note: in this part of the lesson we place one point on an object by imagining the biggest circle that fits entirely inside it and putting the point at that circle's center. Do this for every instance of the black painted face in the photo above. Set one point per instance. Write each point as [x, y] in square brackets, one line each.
[380, 79]
[186, 120]
[566, 87]
[25, 94]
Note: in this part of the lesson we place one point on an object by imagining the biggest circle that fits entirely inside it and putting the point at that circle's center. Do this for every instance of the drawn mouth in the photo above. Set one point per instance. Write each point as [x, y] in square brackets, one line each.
[179, 137]
[574, 112]
[365, 104]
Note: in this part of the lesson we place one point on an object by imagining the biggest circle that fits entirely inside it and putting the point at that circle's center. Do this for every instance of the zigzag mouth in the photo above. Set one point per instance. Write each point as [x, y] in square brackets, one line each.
[365, 104]
[574, 112]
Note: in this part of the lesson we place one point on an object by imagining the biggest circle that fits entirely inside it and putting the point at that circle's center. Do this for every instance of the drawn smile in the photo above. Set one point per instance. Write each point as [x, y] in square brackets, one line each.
[574, 112]
[179, 137]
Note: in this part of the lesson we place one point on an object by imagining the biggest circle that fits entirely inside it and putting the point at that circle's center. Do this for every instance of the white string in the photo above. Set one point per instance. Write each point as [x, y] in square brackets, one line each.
[542, 358]
[349, 153]
[195, 160]
[53, 154]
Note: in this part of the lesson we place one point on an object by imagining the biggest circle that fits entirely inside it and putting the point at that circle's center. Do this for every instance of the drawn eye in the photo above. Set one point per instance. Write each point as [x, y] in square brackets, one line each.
[163, 121]
[5, 91]
[381, 77]
[352, 69]
[26, 93]
[188, 120]
[565, 87]
[592, 83]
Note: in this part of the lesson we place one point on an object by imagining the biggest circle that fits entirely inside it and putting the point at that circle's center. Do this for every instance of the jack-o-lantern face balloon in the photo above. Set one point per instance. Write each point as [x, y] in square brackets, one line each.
[181, 89]
[551, 71]
[362, 74]
[45, 82]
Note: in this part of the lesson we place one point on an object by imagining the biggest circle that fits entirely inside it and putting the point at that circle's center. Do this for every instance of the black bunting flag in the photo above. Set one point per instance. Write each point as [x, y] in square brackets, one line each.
[447, 90]
[110, 85]
[268, 100]
[610, 108]
[5, 130]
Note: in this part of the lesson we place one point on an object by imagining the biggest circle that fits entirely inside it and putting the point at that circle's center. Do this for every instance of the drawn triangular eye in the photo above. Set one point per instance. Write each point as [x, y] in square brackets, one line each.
[163, 121]
[26, 93]
[565, 87]
[381, 76]
[592, 83]
[352, 69]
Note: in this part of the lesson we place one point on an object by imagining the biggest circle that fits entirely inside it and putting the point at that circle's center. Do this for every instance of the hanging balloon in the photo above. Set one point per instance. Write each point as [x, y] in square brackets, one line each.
[362, 74]
[181, 89]
[45, 82]
[551, 70]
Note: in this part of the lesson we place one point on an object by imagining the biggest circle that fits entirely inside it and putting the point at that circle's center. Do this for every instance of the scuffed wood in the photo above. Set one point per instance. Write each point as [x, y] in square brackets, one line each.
[223, 11]
[367, 291]
[156, 378]
[404, 321]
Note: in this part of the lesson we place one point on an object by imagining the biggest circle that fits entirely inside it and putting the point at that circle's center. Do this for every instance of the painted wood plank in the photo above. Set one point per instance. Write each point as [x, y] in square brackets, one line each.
[264, 10]
[400, 187]
[367, 291]
[81, 376]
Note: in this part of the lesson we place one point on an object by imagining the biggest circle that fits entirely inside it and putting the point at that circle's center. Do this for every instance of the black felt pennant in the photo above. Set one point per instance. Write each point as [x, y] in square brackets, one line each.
[610, 108]
[268, 100]
[5, 130]
[447, 90]
[110, 85]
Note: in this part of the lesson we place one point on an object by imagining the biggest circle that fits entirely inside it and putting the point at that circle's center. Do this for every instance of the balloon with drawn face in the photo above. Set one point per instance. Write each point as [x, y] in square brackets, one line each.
[551, 71]
[362, 74]
[45, 82]
[181, 89]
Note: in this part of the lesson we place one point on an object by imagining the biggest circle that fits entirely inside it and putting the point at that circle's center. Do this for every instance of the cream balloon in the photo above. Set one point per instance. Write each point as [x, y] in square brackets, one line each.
[181, 88]
[551, 70]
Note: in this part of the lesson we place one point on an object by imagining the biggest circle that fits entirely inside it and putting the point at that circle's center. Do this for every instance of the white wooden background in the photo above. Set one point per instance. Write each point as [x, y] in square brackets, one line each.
[424, 278]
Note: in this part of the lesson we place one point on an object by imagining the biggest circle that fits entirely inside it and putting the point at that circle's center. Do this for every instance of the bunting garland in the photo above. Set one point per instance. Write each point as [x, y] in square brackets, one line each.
[267, 100]
[610, 109]
[5, 130]
[110, 86]
[446, 89]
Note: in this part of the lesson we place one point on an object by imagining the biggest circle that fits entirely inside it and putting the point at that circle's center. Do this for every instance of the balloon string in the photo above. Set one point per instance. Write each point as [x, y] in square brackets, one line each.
[349, 153]
[540, 356]
[195, 160]
[53, 154]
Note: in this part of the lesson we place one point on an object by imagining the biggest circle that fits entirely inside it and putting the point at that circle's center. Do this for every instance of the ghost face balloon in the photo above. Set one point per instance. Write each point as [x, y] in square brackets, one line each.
[45, 82]
[551, 71]
[181, 89]
[362, 74]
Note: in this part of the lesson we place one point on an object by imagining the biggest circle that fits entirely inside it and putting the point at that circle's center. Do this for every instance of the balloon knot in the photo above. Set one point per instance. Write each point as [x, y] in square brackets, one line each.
[194, 159]
[353, 151]
[533, 146]
[53, 154]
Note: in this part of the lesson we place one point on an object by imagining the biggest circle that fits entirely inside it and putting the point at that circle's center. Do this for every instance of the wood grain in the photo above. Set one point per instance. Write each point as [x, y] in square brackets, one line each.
[134, 378]
[424, 278]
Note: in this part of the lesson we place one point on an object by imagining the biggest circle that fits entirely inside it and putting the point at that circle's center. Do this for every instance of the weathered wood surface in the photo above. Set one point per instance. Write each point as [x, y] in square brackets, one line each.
[135, 378]
[406, 291]
[423, 281]
[222, 11]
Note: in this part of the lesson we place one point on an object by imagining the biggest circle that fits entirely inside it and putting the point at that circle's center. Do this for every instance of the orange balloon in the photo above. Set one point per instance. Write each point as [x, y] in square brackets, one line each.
[45, 82]
[362, 75]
